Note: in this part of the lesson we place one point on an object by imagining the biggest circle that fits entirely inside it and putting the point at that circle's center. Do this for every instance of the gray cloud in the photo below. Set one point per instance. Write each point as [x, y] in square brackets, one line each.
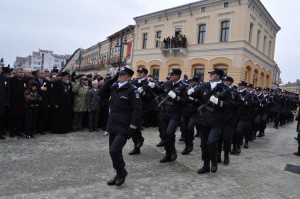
[65, 25]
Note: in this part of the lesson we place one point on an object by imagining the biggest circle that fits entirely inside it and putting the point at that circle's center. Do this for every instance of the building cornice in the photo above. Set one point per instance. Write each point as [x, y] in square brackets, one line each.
[181, 8]
[265, 14]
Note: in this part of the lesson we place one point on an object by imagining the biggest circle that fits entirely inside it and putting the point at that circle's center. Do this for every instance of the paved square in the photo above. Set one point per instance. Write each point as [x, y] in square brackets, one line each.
[77, 165]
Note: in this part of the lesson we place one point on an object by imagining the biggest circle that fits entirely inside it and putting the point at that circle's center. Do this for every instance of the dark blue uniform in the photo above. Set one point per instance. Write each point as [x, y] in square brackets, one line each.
[124, 114]
[212, 120]
[170, 115]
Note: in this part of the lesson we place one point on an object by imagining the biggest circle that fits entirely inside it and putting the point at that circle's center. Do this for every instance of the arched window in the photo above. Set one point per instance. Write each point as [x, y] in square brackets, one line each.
[198, 71]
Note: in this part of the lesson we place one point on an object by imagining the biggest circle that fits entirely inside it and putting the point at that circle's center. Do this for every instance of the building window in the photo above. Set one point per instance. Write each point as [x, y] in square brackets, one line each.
[270, 48]
[203, 9]
[226, 4]
[199, 73]
[224, 31]
[250, 33]
[179, 14]
[145, 38]
[264, 46]
[159, 19]
[158, 37]
[258, 39]
[155, 72]
[146, 21]
[178, 31]
[202, 32]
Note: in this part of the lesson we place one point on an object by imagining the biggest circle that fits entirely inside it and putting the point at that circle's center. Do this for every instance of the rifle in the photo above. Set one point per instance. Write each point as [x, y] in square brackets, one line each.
[183, 86]
[219, 94]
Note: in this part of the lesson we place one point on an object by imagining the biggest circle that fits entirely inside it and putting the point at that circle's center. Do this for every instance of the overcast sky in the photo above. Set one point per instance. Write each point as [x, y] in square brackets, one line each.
[65, 25]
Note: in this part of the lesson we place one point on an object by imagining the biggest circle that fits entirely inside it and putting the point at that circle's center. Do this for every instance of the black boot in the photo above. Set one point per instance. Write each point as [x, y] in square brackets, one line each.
[226, 158]
[121, 176]
[212, 149]
[233, 151]
[219, 160]
[161, 143]
[188, 148]
[173, 149]
[112, 182]
[205, 168]
[140, 142]
[246, 144]
[238, 149]
[135, 151]
[167, 157]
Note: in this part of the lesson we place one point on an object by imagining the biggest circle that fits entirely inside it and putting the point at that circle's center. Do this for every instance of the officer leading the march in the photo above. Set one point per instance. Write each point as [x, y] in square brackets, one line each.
[123, 120]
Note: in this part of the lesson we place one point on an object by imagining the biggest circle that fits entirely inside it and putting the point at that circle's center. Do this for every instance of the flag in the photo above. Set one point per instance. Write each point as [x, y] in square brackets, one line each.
[128, 49]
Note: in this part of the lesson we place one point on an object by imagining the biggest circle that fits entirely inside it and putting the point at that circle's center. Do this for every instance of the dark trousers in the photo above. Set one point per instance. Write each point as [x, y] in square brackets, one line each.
[1, 124]
[209, 139]
[93, 119]
[30, 122]
[41, 120]
[239, 132]
[116, 143]
[226, 138]
[16, 123]
[189, 123]
[277, 118]
[77, 120]
[168, 128]
[103, 116]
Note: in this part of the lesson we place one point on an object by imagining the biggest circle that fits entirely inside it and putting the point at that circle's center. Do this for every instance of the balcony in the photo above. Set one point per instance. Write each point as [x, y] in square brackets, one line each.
[174, 46]
[117, 61]
[90, 67]
[173, 51]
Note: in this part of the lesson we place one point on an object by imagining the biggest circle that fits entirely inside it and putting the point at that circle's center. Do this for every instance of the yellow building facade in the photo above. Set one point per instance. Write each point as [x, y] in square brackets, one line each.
[238, 36]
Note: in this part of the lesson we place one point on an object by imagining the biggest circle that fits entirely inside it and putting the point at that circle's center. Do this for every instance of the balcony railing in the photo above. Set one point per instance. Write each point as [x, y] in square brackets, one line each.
[117, 60]
[90, 66]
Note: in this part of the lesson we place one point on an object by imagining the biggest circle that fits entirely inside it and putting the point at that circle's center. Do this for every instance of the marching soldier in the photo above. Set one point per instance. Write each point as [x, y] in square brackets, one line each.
[244, 105]
[190, 116]
[123, 120]
[215, 97]
[171, 111]
[146, 97]
[225, 140]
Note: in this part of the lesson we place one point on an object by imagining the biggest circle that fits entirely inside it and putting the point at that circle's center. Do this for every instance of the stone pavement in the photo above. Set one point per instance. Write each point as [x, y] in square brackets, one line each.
[77, 165]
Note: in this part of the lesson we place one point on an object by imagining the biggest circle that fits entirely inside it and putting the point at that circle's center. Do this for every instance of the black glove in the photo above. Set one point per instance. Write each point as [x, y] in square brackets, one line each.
[130, 133]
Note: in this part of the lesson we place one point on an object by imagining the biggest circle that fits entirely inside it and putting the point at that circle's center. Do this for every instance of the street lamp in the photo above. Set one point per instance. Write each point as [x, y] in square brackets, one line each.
[120, 47]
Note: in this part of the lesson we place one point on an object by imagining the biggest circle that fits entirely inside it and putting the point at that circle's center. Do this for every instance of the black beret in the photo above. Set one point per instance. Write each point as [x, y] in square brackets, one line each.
[243, 83]
[127, 71]
[229, 79]
[176, 72]
[217, 71]
[194, 79]
[65, 73]
[142, 70]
